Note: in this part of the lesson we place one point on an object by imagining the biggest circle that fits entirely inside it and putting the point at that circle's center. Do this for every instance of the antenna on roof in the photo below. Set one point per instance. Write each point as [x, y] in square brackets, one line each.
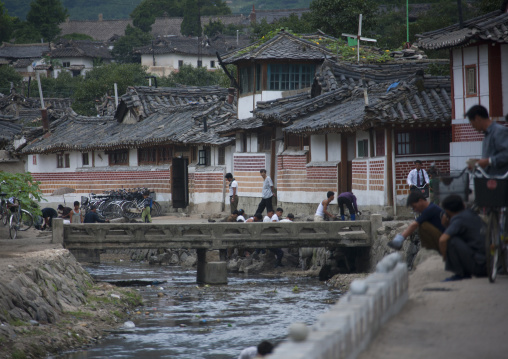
[359, 37]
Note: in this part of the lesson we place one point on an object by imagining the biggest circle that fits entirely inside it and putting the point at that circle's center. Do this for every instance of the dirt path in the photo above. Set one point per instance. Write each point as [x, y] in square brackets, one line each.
[465, 319]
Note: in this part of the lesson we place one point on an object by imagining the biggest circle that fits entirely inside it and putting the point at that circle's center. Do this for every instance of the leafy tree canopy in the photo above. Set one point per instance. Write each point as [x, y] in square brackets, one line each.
[124, 46]
[26, 33]
[192, 76]
[100, 81]
[24, 188]
[217, 27]
[191, 23]
[300, 25]
[335, 17]
[45, 16]
[8, 75]
[6, 24]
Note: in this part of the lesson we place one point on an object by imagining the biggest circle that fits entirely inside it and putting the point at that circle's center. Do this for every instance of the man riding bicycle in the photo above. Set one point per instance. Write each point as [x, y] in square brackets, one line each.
[417, 177]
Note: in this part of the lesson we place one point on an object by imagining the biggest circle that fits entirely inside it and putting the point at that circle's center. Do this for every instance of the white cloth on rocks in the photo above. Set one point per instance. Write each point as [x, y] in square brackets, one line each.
[249, 353]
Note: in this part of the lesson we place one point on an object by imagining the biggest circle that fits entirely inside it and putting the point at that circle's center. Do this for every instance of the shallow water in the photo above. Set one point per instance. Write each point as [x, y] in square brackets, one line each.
[212, 322]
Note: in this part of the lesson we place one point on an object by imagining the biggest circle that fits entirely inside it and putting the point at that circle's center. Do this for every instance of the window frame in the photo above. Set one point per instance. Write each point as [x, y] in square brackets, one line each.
[180, 64]
[212, 64]
[264, 141]
[362, 148]
[63, 160]
[115, 155]
[246, 79]
[221, 156]
[437, 141]
[285, 75]
[380, 142]
[200, 63]
[84, 155]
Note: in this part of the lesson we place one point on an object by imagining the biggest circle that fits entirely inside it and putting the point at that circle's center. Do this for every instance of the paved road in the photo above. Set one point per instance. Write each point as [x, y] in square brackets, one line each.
[466, 319]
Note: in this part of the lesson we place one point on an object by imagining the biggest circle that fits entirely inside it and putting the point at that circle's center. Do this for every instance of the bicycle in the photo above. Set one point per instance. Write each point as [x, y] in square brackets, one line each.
[491, 193]
[20, 219]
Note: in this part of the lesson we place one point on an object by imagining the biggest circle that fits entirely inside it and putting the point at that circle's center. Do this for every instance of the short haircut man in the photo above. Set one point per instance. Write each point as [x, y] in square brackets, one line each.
[267, 193]
[329, 194]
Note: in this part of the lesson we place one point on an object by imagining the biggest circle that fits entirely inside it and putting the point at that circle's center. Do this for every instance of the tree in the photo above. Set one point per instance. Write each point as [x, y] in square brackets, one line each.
[143, 16]
[213, 28]
[191, 24]
[100, 81]
[6, 24]
[124, 46]
[8, 75]
[192, 76]
[24, 188]
[45, 16]
[335, 17]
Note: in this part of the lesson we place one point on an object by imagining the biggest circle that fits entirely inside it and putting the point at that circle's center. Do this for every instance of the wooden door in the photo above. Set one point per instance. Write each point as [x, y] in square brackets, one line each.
[180, 183]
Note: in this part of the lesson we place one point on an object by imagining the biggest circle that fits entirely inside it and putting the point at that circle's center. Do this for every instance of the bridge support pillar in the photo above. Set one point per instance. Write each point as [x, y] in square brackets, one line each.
[57, 230]
[210, 272]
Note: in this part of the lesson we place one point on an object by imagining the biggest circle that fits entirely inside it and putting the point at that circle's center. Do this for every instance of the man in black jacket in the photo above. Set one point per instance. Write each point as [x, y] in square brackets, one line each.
[93, 217]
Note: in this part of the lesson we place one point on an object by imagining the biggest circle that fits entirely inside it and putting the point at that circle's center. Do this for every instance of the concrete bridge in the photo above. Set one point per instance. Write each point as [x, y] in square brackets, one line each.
[86, 241]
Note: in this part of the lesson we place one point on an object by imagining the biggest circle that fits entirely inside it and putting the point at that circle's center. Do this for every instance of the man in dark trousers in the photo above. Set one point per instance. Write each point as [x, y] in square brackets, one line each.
[462, 244]
[267, 193]
[93, 217]
[347, 199]
[417, 177]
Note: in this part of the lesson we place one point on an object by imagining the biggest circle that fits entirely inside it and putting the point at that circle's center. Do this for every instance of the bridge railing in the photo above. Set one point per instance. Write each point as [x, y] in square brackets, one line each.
[101, 236]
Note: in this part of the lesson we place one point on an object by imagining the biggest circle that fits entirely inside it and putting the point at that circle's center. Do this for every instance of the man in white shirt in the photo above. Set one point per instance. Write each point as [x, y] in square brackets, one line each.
[268, 217]
[290, 218]
[417, 177]
[277, 215]
[233, 192]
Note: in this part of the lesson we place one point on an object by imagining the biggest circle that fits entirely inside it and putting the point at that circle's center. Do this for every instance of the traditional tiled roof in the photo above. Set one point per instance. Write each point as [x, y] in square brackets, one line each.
[177, 125]
[193, 45]
[281, 46]
[490, 27]
[23, 51]
[22, 63]
[144, 100]
[8, 128]
[80, 48]
[423, 100]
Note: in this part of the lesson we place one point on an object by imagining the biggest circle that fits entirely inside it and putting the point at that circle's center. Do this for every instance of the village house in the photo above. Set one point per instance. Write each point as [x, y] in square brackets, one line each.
[166, 55]
[479, 72]
[23, 57]
[78, 56]
[161, 138]
[319, 124]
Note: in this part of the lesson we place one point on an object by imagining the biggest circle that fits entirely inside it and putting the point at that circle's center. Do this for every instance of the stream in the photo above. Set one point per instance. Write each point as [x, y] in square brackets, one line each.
[181, 320]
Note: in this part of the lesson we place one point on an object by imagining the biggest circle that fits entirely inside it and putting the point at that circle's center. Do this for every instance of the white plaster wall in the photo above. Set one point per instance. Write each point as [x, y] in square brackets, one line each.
[369, 198]
[101, 159]
[318, 148]
[171, 60]
[458, 84]
[483, 75]
[230, 151]
[245, 105]
[47, 163]
[333, 147]
[238, 142]
[504, 76]
[460, 152]
[253, 143]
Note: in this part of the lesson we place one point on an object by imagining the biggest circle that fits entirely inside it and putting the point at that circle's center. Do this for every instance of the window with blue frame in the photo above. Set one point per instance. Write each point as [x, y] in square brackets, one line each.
[286, 77]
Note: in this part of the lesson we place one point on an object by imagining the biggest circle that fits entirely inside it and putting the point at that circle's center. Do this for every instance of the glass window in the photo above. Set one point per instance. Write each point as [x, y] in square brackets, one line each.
[246, 80]
[147, 155]
[63, 160]
[212, 64]
[165, 154]
[200, 63]
[290, 77]
[118, 157]
[423, 141]
[363, 148]
[180, 63]
[85, 159]
[264, 142]
[222, 156]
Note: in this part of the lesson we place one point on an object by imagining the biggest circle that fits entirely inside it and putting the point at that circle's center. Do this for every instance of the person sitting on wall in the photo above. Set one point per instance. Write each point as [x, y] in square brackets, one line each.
[349, 200]
[289, 219]
[417, 177]
[322, 209]
[93, 217]
[462, 244]
[428, 223]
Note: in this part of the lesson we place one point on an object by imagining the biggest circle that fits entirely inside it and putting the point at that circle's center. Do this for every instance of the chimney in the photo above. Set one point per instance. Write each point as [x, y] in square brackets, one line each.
[100, 17]
[252, 15]
[45, 122]
[231, 95]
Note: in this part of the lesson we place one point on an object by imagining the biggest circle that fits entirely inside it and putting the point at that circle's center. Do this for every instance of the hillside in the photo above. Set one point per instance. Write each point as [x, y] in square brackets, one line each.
[120, 9]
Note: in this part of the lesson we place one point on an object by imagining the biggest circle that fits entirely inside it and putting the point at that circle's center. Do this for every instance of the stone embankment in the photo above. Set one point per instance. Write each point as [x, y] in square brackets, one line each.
[49, 303]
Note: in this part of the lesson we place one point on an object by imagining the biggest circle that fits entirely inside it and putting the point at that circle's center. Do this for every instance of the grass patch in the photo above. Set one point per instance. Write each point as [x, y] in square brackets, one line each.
[80, 315]
[17, 323]
[18, 354]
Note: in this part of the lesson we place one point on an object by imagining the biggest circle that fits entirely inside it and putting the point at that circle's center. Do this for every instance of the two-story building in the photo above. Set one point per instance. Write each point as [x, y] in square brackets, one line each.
[479, 72]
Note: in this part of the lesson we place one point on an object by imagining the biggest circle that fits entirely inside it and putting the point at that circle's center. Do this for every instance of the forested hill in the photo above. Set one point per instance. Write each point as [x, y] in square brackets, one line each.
[120, 9]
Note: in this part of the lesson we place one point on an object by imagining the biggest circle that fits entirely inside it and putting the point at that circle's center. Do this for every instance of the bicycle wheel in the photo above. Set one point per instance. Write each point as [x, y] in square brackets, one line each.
[27, 220]
[130, 210]
[5, 216]
[492, 245]
[157, 209]
[13, 226]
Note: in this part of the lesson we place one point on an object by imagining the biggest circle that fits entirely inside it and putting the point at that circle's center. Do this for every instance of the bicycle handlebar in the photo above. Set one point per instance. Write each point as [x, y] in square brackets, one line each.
[484, 174]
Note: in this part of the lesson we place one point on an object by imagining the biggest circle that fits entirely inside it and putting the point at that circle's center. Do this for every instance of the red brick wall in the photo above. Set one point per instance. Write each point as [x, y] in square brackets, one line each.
[359, 176]
[402, 169]
[465, 132]
[377, 175]
[98, 182]
[293, 175]
[208, 182]
[246, 172]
